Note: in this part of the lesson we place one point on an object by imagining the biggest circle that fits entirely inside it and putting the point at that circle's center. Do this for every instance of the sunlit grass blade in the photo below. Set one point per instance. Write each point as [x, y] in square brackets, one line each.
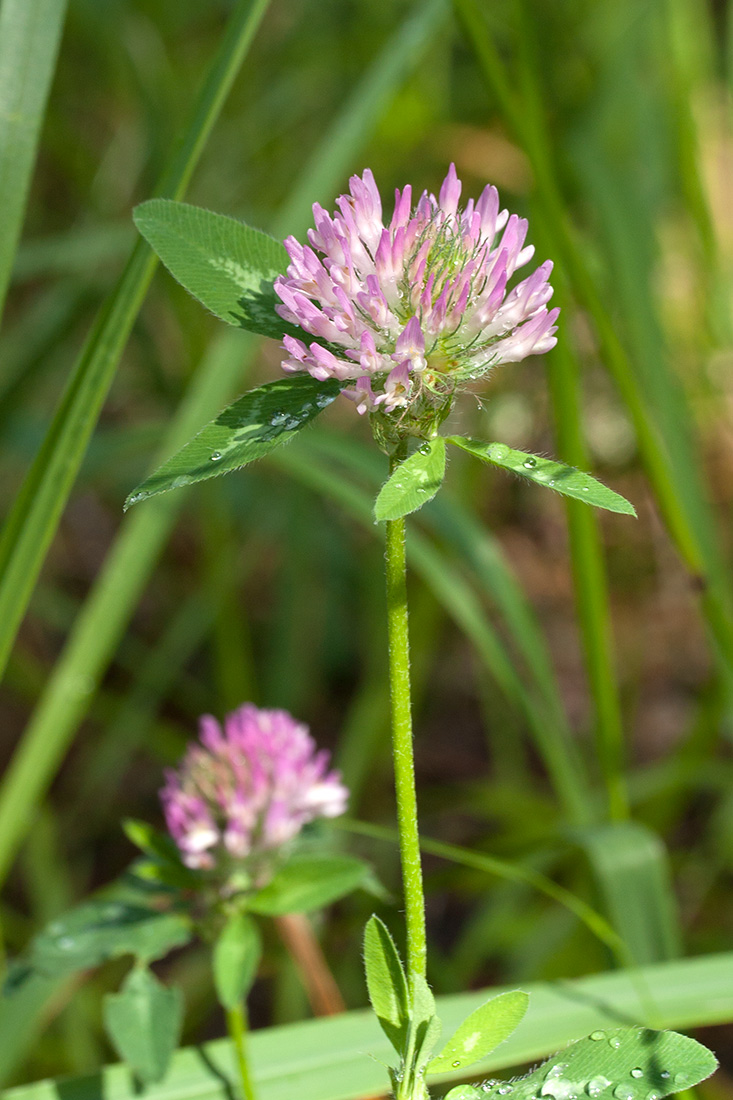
[112, 601]
[631, 866]
[30, 32]
[342, 1057]
[33, 520]
[590, 583]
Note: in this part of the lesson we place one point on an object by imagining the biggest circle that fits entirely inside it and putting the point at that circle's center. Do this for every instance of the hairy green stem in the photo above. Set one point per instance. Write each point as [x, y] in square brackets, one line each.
[402, 750]
[237, 1026]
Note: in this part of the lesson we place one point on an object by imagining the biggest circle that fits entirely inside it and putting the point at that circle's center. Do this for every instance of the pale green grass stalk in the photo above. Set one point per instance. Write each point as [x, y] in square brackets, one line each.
[30, 33]
[591, 587]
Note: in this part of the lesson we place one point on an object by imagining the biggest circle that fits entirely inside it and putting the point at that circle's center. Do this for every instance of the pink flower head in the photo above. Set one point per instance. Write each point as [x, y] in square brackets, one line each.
[416, 308]
[248, 789]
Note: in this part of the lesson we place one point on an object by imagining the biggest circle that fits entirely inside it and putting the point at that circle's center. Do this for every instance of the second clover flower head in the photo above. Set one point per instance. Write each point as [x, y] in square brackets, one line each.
[248, 789]
[416, 309]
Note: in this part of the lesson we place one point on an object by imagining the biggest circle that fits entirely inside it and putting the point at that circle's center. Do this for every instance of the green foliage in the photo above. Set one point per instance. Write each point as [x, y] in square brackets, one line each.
[386, 983]
[144, 1023]
[237, 953]
[546, 471]
[481, 1032]
[308, 882]
[99, 930]
[617, 203]
[226, 264]
[413, 482]
[625, 1063]
[30, 33]
[247, 430]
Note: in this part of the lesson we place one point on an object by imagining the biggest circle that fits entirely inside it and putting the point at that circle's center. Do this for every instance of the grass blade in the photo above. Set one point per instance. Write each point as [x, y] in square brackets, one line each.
[329, 1058]
[662, 442]
[30, 33]
[33, 520]
[632, 870]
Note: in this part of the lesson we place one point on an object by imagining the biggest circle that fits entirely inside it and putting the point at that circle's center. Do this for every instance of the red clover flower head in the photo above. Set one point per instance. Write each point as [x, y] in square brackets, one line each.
[245, 791]
[416, 309]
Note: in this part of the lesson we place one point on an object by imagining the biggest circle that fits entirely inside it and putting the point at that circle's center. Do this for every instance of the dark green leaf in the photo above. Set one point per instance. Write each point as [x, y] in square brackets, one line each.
[226, 264]
[144, 1022]
[386, 983]
[413, 483]
[308, 882]
[546, 471]
[616, 1064]
[248, 429]
[481, 1032]
[105, 929]
[237, 954]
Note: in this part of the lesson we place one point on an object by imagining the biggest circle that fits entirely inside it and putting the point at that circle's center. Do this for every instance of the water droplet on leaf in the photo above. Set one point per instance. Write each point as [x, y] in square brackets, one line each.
[455, 1064]
[424, 448]
[596, 1085]
[596, 1035]
[665, 1075]
[637, 1072]
[614, 1042]
[530, 463]
[624, 1092]
[216, 456]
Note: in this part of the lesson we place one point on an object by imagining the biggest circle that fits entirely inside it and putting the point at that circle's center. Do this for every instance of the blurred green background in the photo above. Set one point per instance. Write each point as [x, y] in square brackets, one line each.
[573, 675]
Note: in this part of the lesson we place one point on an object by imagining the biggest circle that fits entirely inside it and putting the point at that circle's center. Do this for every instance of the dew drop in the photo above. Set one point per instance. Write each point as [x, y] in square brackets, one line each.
[614, 1042]
[505, 1090]
[216, 456]
[585, 488]
[624, 1092]
[637, 1072]
[681, 1080]
[455, 1064]
[596, 1085]
[421, 491]
[596, 1035]
[551, 481]
[653, 1096]
[424, 449]
[665, 1075]
[530, 463]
